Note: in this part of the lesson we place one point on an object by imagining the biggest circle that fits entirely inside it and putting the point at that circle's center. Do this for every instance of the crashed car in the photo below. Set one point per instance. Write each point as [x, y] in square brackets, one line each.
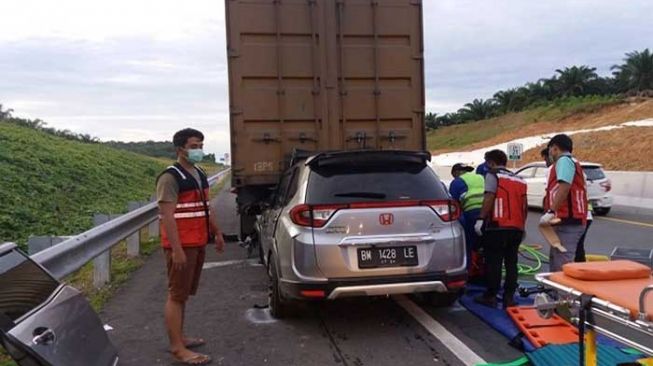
[44, 322]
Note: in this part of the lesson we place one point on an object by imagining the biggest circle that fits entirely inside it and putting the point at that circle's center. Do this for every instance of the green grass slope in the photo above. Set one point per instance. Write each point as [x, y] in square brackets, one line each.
[52, 186]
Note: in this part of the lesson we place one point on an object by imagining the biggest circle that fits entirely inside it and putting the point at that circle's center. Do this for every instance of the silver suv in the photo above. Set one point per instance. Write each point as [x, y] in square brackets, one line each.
[361, 224]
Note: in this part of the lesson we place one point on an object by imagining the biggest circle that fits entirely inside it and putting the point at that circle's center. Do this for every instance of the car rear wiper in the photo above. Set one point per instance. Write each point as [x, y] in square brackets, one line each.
[362, 195]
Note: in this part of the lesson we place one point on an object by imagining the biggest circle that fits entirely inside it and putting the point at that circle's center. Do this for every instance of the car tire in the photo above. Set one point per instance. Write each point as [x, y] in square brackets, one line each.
[279, 307]
[602, 211]
[442, 299]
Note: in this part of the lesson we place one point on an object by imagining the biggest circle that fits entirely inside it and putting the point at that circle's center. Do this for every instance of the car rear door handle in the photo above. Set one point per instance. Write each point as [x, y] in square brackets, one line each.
[43, 336]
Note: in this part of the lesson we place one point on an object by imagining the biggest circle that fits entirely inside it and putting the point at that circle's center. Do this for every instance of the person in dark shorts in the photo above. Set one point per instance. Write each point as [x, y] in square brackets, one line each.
[187, 225]
[502, 224]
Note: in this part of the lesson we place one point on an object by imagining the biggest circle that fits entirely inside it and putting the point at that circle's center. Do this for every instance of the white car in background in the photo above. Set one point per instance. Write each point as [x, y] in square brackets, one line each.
[598, 185]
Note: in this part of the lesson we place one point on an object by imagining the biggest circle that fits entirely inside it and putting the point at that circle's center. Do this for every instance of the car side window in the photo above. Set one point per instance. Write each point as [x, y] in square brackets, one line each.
[526, 173]
[541, 172]
[292, 187]
[23, 285]
[282, 189]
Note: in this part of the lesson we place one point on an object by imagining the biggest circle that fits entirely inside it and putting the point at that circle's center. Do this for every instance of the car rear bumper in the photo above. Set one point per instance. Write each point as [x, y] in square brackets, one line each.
[357, 287]
[601, 202]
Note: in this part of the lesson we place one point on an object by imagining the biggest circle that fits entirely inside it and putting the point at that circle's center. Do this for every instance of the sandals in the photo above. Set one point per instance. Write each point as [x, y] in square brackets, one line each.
[194, 342]
[197, 359]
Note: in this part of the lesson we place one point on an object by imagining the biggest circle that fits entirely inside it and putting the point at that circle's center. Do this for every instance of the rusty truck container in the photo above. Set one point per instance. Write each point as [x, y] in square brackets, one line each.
[320, 75]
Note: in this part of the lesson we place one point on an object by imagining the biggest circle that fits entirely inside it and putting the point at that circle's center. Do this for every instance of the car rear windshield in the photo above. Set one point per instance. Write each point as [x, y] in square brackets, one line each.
[352, 183]
[593, 172]
[23, 285]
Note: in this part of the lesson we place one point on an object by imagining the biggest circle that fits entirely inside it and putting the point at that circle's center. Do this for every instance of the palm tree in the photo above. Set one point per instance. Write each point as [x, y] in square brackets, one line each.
[574, 81]
[506, 100]
[430, 119]
[478, 109]
[637, 71]
[5, 113]
[448, 119]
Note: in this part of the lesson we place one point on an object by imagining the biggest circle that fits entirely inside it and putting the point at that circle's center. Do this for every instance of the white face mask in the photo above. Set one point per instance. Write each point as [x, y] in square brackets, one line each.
[195, 155]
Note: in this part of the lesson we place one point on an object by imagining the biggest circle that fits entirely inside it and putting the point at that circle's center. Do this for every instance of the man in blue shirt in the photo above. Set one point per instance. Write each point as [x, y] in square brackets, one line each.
[467, 188]
[482, 169]
[565, 202]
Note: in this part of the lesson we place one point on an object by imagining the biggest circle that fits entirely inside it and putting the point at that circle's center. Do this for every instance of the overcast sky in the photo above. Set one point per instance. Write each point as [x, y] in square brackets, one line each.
[135, 70]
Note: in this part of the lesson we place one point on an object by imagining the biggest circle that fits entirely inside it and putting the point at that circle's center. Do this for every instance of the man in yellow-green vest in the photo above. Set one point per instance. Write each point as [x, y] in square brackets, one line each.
[468, 188]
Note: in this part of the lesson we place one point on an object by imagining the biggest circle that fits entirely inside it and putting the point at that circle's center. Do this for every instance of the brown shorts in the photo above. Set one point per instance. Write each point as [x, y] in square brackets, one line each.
[184, 283]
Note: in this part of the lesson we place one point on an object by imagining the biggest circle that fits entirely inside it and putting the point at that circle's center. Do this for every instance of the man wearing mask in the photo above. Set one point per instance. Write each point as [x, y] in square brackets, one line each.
[501, 223]
[565, 201]
[467, 188]
[187, 225]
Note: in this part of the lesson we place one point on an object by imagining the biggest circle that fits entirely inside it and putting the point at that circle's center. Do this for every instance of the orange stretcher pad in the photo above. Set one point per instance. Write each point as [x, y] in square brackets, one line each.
[620, 282]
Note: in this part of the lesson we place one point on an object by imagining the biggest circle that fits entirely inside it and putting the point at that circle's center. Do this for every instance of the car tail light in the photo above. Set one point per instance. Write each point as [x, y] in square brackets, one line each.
[318, 215]
[313, 294]
[607, 185]
[313, 216]
[456, 284]
[447, 210]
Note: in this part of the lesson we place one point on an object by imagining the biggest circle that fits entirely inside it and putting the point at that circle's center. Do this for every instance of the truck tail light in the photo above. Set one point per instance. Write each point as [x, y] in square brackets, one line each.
[447, 210]
[607, 185]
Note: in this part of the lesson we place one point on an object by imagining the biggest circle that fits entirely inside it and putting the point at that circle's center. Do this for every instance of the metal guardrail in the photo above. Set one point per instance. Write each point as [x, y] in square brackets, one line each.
[70, 255]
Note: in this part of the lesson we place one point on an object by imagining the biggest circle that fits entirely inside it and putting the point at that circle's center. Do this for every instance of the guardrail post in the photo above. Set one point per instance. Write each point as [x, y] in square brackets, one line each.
[101, 263]
[153, 227]
[134, 240]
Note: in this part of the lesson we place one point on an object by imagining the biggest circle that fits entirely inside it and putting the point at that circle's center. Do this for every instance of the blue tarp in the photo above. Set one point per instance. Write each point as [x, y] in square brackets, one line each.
[496, 318]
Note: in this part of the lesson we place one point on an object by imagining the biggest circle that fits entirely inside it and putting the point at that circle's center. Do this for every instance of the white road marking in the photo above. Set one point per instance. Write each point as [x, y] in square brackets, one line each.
[624, 221]
[455, 345]
[209, 265]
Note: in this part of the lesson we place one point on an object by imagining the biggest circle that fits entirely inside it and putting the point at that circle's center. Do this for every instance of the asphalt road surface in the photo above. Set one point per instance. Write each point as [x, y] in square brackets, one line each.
[229, 312]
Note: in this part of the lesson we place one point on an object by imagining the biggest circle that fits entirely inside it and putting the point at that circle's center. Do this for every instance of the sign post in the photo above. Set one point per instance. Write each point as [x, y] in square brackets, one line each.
[515, 152]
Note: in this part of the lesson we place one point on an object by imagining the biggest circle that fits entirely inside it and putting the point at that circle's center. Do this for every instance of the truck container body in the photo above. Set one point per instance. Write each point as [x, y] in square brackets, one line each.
[320, 75]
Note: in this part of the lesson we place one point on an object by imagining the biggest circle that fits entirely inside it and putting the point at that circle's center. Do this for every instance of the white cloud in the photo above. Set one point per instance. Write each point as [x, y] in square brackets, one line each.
[104, 20]
[142, 69]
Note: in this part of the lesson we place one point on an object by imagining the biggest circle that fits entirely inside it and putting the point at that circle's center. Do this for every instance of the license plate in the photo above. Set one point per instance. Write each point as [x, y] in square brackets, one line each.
[387, 257]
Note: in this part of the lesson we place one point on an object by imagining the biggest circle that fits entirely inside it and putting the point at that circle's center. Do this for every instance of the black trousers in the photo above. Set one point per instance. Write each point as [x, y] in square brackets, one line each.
[580, 248]
[501, 247]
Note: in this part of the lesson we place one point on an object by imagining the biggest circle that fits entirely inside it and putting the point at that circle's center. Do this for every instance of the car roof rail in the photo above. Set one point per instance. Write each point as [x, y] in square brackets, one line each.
[372, 156]
[298, 155]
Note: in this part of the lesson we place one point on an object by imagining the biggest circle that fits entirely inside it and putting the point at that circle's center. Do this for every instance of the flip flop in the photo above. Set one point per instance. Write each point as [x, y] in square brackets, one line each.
[198, 359]
[194, 342]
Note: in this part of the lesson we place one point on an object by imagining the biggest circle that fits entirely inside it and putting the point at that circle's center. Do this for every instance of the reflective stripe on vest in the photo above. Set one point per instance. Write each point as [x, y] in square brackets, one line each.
[473, 198]
[193, 204]
[509, 209]
[191, 211]
[574, 211]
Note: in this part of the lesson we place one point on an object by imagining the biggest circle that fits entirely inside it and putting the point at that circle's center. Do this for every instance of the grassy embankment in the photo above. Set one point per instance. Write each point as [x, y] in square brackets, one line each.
[52, 186]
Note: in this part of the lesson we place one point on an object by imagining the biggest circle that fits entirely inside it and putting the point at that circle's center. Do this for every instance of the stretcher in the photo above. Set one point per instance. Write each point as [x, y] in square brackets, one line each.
[612, 298]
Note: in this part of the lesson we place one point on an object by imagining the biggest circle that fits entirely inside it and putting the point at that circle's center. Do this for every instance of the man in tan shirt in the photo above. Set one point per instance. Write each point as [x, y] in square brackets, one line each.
[187, 225]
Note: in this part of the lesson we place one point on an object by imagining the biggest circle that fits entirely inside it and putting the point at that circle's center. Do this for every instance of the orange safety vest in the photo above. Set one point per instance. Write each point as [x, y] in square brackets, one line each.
[192, 211]
[575, 211]
[510, 205]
